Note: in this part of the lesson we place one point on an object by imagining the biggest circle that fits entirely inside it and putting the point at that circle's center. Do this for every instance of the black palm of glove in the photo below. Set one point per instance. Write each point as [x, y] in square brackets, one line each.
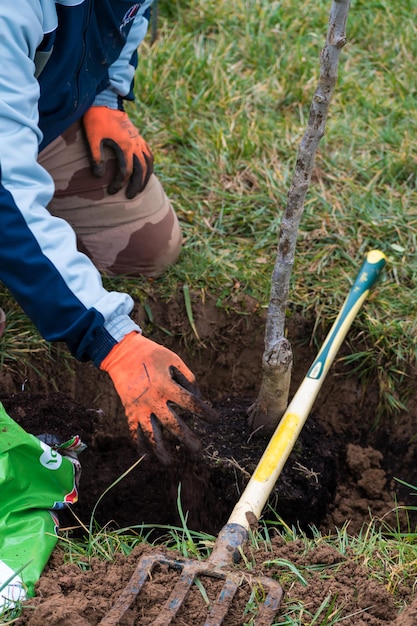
[110, 127]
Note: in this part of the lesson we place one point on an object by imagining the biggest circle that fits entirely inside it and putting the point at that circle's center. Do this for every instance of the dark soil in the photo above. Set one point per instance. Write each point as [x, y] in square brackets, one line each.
[342, 469]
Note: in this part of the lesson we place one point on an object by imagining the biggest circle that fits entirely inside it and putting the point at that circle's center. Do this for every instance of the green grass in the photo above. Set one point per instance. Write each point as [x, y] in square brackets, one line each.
[224, 95]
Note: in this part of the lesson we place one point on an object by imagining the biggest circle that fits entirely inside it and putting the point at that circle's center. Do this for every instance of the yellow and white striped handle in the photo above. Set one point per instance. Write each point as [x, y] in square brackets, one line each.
[259, 487]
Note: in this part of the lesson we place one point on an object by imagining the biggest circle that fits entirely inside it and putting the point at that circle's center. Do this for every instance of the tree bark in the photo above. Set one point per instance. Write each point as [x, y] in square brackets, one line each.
[277, 359]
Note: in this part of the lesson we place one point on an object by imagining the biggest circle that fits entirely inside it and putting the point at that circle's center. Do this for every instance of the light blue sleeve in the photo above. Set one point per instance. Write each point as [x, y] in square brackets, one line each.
[122, 71]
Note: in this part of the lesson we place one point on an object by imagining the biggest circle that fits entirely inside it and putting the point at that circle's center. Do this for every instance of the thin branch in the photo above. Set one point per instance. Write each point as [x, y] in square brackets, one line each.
[335, 40]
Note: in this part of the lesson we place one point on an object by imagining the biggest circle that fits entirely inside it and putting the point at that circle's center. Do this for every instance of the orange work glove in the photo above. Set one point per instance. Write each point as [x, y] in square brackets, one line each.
[149, 379]
[113, 128]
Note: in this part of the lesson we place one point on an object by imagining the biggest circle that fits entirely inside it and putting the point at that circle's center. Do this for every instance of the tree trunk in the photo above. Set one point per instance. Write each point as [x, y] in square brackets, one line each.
[277, 359]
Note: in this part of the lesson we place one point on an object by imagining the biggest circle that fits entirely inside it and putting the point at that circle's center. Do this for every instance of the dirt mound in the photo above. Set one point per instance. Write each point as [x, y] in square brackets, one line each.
[67, 596]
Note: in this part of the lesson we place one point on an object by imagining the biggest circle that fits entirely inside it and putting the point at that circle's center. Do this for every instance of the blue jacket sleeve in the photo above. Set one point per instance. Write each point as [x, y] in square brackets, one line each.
[57, 286]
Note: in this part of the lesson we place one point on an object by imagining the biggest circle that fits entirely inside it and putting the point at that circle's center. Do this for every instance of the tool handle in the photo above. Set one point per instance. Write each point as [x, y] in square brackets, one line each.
[259, 487]
[366, 277]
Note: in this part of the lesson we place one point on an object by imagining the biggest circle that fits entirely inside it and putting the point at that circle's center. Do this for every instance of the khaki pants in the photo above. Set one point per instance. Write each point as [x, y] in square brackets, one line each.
[121, 236]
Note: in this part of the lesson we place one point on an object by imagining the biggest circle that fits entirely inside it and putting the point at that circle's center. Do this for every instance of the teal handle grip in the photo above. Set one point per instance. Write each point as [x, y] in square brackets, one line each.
[365, 279]
[369, 272]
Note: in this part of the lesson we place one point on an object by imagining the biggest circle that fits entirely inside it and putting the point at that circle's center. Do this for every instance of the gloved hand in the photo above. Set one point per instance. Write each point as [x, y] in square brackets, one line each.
[110, 127]
[149, 379]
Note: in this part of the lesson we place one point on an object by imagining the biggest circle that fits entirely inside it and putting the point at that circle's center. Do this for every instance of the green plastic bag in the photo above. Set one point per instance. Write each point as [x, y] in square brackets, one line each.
[36, 479]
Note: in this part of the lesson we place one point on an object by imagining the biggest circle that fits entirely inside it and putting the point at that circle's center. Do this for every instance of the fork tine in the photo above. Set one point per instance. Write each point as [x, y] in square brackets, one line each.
[178, 595]
[135, 584]
[268, 609]
[222, 604]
